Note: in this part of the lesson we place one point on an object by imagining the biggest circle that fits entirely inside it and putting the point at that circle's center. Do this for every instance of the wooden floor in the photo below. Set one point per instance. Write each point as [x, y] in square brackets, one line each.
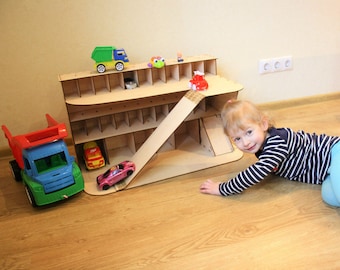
[277, 224]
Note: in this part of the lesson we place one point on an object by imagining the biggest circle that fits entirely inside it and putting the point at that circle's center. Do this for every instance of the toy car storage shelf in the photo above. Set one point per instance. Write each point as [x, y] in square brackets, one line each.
[120, 120]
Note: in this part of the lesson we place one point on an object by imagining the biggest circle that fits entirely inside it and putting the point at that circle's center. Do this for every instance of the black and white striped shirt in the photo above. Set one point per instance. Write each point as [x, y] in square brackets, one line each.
[297, 156]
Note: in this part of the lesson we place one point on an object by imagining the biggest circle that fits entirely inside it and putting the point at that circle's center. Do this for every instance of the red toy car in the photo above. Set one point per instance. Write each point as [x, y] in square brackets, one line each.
[198, 82]
[93, 156]
[115, 174]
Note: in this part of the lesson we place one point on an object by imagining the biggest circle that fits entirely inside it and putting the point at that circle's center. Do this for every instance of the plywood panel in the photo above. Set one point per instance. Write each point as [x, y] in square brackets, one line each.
[220, 143]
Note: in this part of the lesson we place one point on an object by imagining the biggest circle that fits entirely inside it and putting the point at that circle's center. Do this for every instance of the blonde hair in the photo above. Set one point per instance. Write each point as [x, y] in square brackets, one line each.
[237, 113]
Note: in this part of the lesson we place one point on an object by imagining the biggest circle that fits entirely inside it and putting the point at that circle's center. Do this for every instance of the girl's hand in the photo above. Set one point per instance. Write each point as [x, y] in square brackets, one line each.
[210, 187]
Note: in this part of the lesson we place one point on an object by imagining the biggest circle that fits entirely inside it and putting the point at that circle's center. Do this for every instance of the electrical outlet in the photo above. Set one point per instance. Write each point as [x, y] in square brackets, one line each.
[287, 63]
[265, 66]
[275, 64]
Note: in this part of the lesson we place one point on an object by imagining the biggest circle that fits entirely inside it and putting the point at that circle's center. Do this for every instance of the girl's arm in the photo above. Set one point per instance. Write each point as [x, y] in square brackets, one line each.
[273, 154]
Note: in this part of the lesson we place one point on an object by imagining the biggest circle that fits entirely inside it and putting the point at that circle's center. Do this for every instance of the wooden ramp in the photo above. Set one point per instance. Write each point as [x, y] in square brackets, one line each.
[213, 136]
[159, 136]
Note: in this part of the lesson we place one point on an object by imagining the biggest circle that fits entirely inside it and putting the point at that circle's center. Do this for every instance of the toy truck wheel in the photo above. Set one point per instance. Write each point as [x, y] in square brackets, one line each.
[15, 169]
[30, 196]
[101, 68]
[129, 173]
[106, 187]
[119, 66]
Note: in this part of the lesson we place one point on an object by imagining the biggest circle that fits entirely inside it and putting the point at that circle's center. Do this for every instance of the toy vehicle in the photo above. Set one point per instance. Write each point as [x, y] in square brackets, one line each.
[156, 62]
[115, 174]
[198, 82]
[93, 156]
[130, 83]
[108, 57]
[43, 163]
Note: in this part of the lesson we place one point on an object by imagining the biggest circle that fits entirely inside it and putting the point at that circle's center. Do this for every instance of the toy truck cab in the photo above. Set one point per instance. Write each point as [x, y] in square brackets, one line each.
[108, 57]
[43, 163]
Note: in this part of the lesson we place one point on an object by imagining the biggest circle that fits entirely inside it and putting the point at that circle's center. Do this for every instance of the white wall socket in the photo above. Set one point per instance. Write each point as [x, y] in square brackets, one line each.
[275, 64]
[265, 66]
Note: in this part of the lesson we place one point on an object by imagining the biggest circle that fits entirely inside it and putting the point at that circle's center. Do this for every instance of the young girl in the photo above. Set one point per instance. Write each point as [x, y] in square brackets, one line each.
[297, 156]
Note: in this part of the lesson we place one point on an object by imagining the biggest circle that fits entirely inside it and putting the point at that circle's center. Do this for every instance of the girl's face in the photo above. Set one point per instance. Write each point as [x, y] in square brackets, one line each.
[250, 139]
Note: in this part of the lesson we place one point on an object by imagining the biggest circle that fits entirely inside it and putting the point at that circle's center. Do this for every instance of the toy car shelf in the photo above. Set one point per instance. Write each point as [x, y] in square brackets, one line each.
[121, 120]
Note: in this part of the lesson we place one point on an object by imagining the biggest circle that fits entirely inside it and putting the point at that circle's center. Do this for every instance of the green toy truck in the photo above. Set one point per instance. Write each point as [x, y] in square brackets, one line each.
[108, 57]
[43, 163]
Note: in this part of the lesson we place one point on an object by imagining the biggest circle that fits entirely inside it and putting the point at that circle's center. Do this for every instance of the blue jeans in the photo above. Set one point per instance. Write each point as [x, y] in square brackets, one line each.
[330, 190]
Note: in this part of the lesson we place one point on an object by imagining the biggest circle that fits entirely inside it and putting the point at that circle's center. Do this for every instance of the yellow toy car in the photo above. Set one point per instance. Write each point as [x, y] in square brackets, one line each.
[93, 156]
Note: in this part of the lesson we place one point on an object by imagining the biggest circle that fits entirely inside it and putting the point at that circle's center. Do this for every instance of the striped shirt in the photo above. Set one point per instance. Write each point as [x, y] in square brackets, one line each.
[297, 156]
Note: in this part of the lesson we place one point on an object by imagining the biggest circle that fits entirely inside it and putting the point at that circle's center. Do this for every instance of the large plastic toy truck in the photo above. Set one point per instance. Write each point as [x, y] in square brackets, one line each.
[43, 163]
[108, 57]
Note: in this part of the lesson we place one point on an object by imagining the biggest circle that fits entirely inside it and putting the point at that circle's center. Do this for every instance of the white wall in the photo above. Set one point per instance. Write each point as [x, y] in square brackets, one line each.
[41, 39]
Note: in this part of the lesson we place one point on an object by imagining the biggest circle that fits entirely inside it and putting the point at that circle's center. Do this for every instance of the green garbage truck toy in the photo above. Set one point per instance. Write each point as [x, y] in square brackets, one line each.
[108, 57]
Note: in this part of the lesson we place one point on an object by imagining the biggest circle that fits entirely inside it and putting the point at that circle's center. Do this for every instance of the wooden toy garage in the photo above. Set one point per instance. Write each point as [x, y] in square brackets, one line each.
[165, 128]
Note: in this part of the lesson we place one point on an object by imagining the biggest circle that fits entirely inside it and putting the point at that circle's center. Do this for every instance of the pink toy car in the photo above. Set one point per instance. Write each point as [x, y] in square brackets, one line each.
[115, 174]
[198, 82]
